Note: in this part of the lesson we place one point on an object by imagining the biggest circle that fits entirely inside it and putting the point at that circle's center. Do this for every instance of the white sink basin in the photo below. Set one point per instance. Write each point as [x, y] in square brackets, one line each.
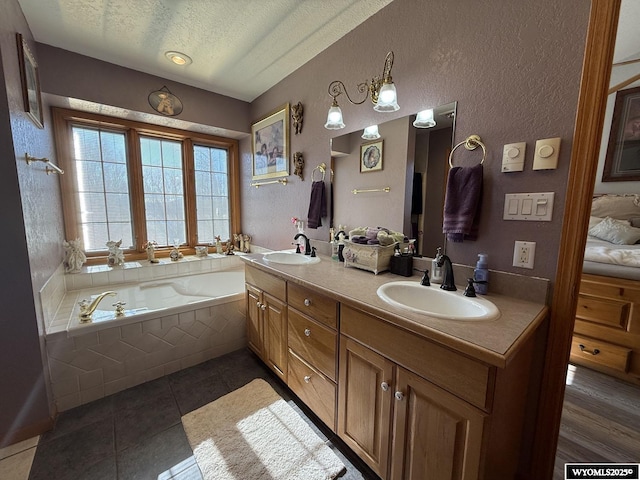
[436, 302]
[290, 258]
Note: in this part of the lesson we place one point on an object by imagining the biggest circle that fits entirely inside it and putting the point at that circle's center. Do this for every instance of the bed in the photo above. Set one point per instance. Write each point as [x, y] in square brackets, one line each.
[607, 330]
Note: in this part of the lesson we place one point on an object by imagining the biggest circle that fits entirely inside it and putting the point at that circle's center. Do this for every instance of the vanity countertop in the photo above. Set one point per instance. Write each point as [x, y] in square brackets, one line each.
[493, 342]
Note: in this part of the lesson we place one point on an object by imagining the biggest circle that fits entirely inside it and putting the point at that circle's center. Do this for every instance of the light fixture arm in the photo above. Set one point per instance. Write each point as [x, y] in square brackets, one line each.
[377, 82]
[337, 88]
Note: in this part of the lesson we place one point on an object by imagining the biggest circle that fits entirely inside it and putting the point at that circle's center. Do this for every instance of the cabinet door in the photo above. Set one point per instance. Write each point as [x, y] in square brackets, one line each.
[436, 434]
[254, 319]
[275, 335]
[364, 408]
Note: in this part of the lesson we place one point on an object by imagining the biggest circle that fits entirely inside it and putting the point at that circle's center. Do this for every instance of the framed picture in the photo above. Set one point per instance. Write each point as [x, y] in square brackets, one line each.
[622, 162]
[30, 82]
[165, 102]
[270, 145]
[371, 157]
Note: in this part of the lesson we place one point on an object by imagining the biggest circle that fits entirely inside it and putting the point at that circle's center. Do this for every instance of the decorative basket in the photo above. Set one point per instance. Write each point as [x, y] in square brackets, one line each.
[374, 258]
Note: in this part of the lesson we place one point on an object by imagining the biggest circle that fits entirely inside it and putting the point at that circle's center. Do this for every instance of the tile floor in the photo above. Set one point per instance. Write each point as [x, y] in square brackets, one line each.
[137, 433]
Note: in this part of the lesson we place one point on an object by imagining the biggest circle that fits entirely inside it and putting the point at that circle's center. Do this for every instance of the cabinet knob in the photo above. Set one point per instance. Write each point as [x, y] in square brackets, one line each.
[399, 395]
[263, 306]
[307, 302]
[384, 386]
[307, 332]
[258, 304]
[307, 378]
[584, 349]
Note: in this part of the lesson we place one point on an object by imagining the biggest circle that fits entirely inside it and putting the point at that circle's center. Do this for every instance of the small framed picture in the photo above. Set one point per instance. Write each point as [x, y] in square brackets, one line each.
[270, 144]
[371, 157]
[30, 82]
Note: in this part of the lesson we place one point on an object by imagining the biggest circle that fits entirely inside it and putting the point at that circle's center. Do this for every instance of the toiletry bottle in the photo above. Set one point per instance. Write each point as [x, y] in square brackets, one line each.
[436, 271]
[481, 274]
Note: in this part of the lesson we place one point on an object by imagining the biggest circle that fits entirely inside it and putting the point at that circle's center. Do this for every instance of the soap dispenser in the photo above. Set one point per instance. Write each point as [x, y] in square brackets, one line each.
[481, 274]
[436, 271]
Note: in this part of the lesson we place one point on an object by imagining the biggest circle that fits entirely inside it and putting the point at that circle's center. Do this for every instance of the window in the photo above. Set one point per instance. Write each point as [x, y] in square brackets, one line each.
[137, 182]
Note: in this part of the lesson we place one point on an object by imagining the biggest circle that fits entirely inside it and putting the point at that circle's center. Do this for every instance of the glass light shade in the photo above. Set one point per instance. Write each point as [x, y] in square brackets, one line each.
[387, 99]
[371, 133]
[424, 119]
[334, 119]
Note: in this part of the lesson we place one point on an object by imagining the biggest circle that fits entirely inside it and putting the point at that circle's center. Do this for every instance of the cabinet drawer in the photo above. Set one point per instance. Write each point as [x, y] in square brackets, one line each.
[608, 312]
[266, 282]
[592, 351]
[460, 375]
[314, 389]
[314, 342]
[319, 307]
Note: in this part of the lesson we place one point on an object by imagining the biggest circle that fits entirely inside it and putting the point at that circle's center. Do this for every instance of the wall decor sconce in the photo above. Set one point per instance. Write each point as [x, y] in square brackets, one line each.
[424, 119]
[297, 111]
[380, 89]
[371, 133]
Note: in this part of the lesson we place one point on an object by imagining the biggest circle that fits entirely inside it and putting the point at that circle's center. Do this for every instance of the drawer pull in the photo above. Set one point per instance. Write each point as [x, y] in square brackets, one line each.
[307, 378]
[399, 396]
[384, 386]
[307, 302]
[584, 349]
[258, 304]
[263, 307]
[307, 332]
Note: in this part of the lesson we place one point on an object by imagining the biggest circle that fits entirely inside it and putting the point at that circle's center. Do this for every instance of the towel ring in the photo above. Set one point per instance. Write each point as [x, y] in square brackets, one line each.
[471, 143]
[323, 168]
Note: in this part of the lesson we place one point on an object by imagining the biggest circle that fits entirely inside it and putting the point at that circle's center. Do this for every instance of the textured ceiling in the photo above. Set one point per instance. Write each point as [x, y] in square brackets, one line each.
[239, 48]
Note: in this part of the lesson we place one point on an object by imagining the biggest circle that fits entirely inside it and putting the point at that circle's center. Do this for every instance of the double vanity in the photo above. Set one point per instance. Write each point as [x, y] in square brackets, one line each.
[437, 388]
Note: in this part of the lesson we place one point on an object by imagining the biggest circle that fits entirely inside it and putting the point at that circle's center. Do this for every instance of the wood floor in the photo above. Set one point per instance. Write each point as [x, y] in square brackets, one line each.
[600, 420]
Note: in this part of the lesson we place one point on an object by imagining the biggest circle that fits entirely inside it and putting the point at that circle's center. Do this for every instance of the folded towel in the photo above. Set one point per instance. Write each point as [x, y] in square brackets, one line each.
[317, 205]
[462, 203]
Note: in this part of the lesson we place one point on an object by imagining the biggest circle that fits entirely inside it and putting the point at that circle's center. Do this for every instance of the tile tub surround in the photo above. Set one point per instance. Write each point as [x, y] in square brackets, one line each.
[93, 365]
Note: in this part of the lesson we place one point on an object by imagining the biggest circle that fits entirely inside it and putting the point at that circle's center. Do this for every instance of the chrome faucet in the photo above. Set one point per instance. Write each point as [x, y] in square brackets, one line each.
[307, 244]
[87, 309]
[448, 282]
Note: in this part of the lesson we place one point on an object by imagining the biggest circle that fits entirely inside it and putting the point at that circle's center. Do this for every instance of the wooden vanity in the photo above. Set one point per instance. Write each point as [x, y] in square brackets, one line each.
[413, 398]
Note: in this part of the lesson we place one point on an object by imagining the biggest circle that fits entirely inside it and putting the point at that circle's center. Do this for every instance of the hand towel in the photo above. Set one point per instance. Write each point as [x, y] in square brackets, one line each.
[317, 205]
[462, 203]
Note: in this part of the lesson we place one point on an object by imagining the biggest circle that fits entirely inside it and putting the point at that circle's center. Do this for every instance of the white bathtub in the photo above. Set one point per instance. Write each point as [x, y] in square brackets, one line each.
[157, 298]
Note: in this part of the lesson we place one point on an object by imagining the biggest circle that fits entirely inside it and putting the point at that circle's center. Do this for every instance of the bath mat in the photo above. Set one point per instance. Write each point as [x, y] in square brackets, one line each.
[252, 433]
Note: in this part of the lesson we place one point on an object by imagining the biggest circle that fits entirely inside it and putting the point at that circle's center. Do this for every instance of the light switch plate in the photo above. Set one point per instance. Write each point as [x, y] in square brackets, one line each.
[537, 207]
[546, 154]
[513, 157]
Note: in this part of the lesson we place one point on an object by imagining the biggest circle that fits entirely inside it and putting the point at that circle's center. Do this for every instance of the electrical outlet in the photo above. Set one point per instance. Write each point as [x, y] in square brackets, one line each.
[524, 254]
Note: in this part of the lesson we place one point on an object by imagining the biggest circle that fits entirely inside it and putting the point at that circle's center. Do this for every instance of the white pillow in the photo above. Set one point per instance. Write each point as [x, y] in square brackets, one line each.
[593, 221]
[616, 232]
[621, 207]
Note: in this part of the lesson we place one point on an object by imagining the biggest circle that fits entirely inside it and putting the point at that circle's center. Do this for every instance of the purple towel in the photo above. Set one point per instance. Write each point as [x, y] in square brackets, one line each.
[317, 205]
[462, 203]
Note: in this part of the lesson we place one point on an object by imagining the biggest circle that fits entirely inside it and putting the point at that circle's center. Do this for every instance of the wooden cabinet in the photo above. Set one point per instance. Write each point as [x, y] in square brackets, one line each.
[267, 319]
[403, 426]
[607, 329]
[407, 405]
[313, 343]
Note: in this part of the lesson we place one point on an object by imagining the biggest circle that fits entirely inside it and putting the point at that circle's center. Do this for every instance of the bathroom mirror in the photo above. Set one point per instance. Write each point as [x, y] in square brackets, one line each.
[414, 169]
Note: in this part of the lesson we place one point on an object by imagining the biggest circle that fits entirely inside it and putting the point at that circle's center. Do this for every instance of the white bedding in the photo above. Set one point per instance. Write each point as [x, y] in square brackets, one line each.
[610, 260]
[604, 252]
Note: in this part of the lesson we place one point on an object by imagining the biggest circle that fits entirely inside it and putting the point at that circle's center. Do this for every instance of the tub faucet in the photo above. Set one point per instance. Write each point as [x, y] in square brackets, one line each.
[448, 282]
[307, 244]
[87, 309]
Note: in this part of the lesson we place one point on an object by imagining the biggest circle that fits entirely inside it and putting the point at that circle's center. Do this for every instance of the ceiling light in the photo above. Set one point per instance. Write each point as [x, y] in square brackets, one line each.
[178, 58]
[380, 88]
[371, 133]
[424, 119]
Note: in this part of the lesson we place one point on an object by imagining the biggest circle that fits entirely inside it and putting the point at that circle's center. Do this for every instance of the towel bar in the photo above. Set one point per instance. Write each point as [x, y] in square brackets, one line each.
[355, 191]
[50, 168]
[471, 143]
[283, 181]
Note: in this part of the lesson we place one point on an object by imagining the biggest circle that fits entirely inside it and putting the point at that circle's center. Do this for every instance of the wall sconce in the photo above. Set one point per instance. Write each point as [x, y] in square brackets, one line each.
[371, 133]
[381, 90]
[424, 119]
